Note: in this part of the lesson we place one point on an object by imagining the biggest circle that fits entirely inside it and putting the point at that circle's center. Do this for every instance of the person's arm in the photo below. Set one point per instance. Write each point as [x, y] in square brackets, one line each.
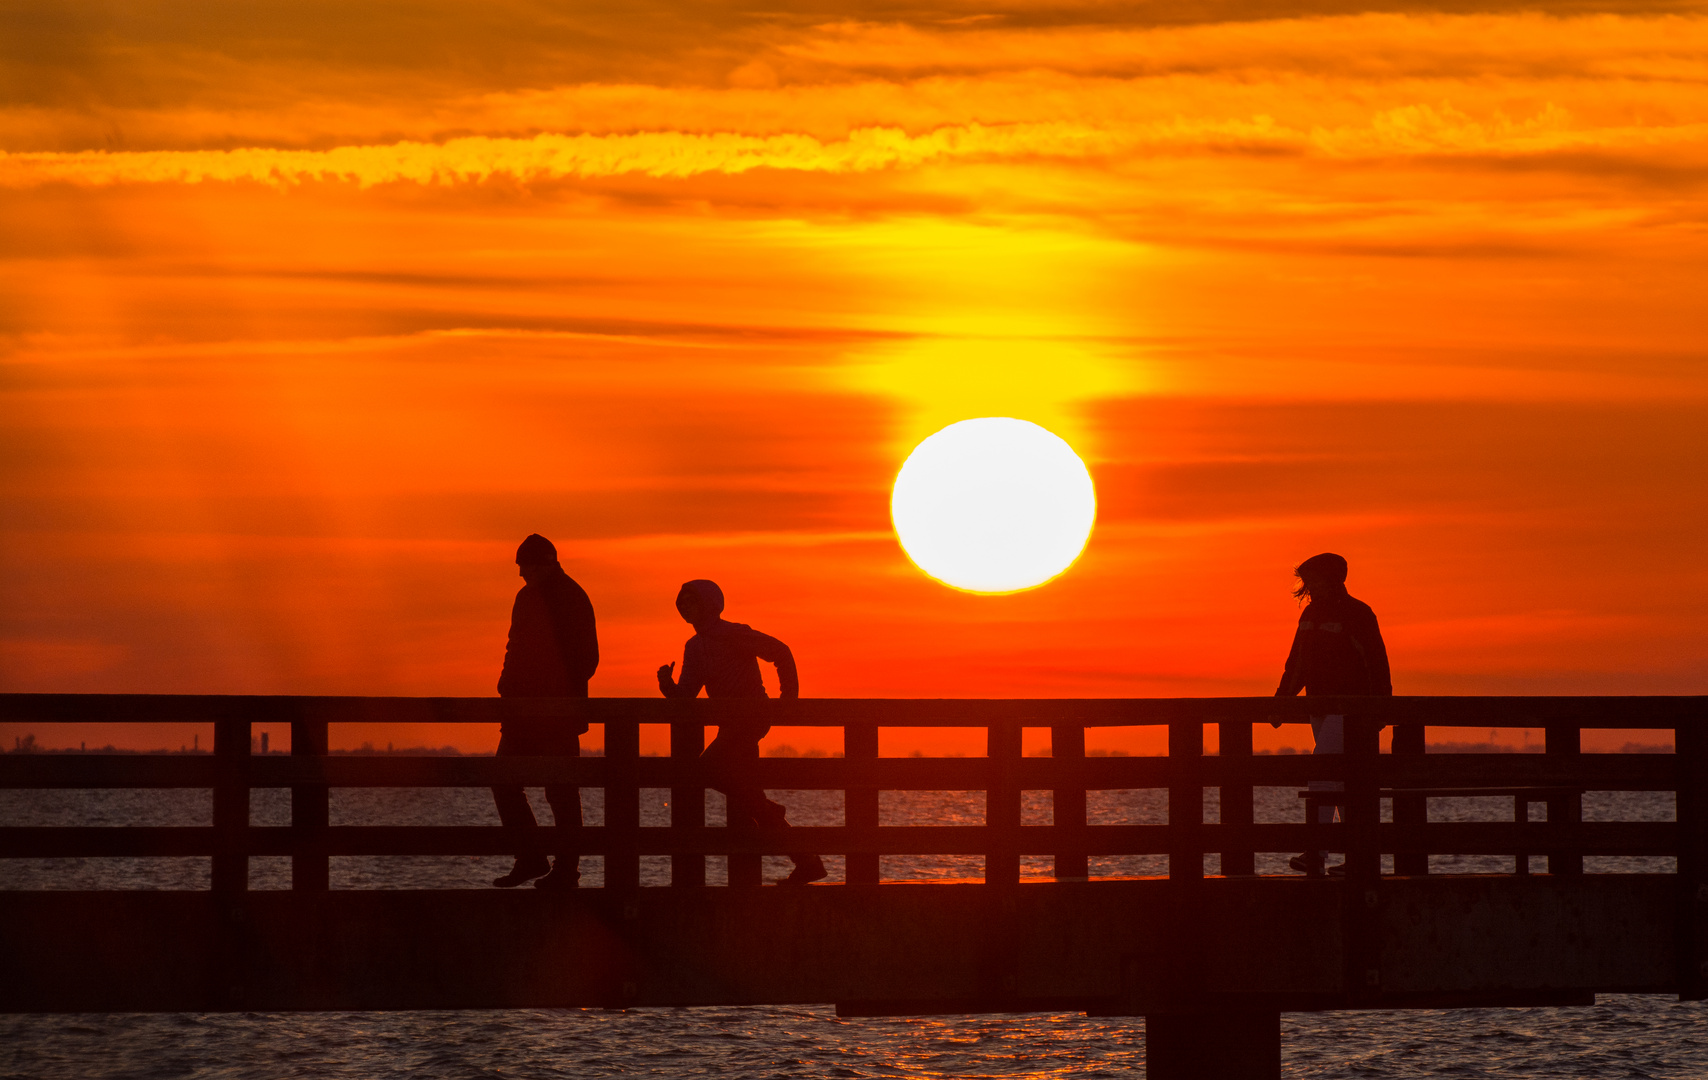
[578, 634]
[1292, 676]
[1376, 657]
[693, 678]
[510, 673]
[587, 644]
[769, 648]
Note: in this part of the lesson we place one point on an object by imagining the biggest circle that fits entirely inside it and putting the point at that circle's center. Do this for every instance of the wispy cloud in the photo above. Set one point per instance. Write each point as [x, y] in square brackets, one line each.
[1411, 130]
[551, 156]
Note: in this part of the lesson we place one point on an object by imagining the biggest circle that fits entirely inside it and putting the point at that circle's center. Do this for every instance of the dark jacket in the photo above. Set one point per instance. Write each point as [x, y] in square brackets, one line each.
[723, 657]
[553, 648]
[1337, 650]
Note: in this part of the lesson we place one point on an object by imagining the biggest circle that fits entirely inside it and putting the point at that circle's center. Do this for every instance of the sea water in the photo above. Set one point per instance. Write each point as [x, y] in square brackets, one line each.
[1620, 1036]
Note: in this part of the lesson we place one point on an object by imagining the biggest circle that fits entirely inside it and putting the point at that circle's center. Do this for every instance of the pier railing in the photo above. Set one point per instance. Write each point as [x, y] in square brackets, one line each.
[1406, 777]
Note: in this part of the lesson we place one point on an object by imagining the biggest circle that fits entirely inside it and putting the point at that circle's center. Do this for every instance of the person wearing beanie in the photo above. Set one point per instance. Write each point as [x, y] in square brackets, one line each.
[552, 652]
[723, 659]
[1337, 650]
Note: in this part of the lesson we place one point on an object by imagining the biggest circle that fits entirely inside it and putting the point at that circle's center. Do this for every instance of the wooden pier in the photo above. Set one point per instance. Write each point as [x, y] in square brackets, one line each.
[1210, 961]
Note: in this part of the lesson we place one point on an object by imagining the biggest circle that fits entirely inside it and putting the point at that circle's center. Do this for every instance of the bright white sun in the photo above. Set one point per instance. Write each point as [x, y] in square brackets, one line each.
[993, 505]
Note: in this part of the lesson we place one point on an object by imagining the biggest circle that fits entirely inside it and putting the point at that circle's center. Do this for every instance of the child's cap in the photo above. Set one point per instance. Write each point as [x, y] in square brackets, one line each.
[711, 597]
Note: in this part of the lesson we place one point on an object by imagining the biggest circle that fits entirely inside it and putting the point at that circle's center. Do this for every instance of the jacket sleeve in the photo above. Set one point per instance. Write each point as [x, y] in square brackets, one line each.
[769, 648]
[693, 678]
[1293, 676]
[1376, 658]
[508, 675]
[580, 637]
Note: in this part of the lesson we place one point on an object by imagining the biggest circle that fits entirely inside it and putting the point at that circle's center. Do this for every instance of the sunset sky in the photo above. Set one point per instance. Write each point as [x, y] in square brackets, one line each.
[310, 311]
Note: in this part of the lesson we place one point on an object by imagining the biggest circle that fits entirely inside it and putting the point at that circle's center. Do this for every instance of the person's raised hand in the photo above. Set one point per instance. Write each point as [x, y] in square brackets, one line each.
[666, 675]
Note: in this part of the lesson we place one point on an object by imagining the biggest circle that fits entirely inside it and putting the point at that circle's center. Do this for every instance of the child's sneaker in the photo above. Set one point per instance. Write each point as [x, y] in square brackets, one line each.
[1309, 864]
[524, 871]
[808, 869]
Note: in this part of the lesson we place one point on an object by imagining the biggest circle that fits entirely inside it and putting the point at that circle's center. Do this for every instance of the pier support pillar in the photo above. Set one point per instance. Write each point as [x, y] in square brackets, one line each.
[1213, 1046]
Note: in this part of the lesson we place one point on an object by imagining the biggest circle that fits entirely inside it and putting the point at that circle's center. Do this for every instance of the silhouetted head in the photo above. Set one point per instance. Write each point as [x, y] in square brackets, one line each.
[700, 601]
[537, 557]
[1320, 573]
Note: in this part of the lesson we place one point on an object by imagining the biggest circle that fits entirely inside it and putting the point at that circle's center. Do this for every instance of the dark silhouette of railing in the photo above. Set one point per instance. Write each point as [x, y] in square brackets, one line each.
[1211, 962]
[1408, 776]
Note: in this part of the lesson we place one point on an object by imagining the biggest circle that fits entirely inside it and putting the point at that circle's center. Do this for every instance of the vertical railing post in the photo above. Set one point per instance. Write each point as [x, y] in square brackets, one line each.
[687, 804]
[1362, 807]
[1690, 743]
[1067, 750]
[1362, 813]
[1234, 739]
[999, 963]
[1411, 812]
[1183, 951]
[311, 810]
[1002, 805]
[622, 804]
[860, 800]
[1565, 809]
[231, 804]
[1185, 800]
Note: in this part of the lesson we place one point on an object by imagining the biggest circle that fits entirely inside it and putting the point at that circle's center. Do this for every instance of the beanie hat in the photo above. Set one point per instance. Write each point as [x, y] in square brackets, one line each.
[536, 550]
[711, 597]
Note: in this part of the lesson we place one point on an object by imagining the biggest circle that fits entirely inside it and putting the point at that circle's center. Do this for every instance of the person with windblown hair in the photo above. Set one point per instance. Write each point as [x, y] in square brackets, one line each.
[1337, 650]
[552, 651]
[723, 659]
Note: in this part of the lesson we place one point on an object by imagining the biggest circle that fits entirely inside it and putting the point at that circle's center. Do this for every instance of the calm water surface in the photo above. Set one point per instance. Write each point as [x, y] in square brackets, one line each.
[1621, 1036]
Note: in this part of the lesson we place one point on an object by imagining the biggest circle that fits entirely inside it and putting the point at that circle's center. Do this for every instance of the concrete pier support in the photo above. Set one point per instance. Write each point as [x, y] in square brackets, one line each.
[1213, 1046]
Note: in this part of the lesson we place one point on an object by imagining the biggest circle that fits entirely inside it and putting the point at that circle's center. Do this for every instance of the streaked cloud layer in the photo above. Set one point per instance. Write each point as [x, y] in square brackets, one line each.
[310, 314]
[1413, 130]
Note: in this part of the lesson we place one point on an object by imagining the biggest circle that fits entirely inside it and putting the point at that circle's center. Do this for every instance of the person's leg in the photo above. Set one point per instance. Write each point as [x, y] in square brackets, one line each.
[743, 805]
[517, 817]
[1330, 732]
[727, 759]
[747, 804]
[565, 802]
[808, 867]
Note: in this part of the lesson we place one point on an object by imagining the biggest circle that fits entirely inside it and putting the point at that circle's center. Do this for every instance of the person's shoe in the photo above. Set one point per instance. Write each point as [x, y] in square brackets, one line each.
[1338, 869]
[808, 869]
[1307, 864]
[566, 874]
[524, 871]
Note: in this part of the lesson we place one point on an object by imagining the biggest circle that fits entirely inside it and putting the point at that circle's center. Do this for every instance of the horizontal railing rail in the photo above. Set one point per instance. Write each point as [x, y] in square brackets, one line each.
[1598, 772]
[1601, 712]
[1402, 777]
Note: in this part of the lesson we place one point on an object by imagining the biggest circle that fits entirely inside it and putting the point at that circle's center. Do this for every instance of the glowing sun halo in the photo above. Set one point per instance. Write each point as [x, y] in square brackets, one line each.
[993, 505]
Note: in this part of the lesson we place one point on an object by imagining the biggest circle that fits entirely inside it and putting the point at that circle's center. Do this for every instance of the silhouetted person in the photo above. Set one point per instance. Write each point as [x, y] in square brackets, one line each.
[723, 657]
[552, 652]
[1336, 650]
